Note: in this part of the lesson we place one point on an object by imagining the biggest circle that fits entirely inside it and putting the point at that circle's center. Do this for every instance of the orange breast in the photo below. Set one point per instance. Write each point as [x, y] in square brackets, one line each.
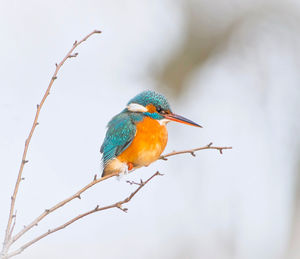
[148, 144]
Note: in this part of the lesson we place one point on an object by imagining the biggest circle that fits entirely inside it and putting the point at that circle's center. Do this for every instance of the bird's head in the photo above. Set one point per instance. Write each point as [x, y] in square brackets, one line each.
[156, 106]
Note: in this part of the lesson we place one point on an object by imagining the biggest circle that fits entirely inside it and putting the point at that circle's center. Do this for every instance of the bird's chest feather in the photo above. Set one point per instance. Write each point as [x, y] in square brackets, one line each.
[148, 144]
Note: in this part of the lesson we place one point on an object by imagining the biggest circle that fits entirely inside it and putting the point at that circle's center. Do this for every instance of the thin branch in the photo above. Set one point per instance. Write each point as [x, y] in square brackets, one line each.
[13, 225]
[192, 151]
[95, 181]
[135, 183]
[27, 142]
[57, 206]
[98, 208]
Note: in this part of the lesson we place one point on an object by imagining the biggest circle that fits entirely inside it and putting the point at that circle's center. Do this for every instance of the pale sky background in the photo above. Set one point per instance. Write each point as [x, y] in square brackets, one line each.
[240, 205]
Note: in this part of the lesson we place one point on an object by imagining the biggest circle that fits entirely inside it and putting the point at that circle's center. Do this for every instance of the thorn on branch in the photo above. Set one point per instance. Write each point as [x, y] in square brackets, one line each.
[37, 123]
[37, 106]
[97, 31]
[210, 144]
[73, 55]
[24, 161]
[79, 197]
[221, 152]
[95, 177]
[119, 206]
[23, 178]
[164, 158]
[56, 65]
[133, 182]
[49, 230]
[97, 207]
[75, 42]
[47, 210]
[193, 153]
[158, 173]
[53, 78]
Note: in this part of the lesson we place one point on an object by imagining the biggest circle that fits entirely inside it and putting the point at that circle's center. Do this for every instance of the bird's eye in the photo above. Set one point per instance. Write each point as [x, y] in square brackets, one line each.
[159, 109]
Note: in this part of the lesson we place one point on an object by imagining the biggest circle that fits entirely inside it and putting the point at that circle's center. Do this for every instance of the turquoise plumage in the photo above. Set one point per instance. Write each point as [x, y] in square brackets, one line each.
[120, 133]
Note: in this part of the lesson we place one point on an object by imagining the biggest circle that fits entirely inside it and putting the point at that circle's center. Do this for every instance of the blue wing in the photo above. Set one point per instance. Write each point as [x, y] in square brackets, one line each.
[120, 133]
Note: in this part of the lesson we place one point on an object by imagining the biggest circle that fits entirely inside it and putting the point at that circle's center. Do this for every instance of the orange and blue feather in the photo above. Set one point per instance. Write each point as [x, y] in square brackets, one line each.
[135, 138]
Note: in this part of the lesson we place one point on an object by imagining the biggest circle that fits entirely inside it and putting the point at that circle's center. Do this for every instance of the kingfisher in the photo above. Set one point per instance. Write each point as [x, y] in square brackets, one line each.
[138, 135]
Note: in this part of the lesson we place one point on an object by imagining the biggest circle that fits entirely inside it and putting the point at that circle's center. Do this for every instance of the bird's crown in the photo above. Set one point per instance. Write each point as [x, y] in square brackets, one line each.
[146, 98]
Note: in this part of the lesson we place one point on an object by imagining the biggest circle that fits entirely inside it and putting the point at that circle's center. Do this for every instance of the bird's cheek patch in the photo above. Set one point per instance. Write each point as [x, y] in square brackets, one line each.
[151, 108]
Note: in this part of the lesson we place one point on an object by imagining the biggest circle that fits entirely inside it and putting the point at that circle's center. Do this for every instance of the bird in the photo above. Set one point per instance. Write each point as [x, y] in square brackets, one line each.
[138, 135]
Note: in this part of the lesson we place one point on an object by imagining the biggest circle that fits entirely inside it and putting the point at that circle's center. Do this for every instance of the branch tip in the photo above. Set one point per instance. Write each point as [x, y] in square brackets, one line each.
[192, 151]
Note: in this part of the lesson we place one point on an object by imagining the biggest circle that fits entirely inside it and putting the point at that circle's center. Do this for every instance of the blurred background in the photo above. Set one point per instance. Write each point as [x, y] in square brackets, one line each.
[232, 66]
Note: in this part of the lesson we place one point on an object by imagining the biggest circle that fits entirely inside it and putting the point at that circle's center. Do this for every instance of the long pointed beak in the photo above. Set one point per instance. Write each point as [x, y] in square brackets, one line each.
[178, 118]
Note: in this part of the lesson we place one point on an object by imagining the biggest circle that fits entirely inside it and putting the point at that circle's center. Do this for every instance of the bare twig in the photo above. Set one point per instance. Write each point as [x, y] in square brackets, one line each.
[27, 142]
[192, 151]
[13, 225]
[57, 206]
[95, 181]
[133, 182]
[98, 208]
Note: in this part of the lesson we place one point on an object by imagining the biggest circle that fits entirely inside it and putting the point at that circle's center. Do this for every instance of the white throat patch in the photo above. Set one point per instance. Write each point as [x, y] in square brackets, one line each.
[135, 107]
[163, 121]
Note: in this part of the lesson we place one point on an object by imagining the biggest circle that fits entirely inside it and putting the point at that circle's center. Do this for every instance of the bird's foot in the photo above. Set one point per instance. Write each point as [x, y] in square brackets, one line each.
[129, 166]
